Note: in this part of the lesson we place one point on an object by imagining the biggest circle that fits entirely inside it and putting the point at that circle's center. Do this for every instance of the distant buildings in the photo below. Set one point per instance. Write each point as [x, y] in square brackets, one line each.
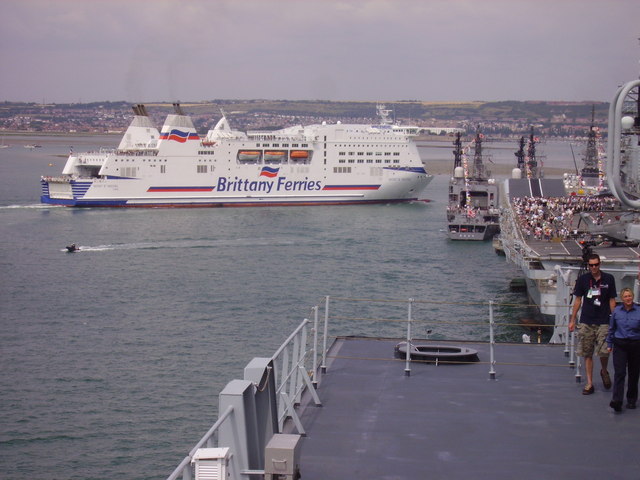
[503, 119]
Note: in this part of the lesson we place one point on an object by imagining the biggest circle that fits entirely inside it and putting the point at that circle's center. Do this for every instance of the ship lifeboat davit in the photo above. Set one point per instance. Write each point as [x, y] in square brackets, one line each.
[437, 353]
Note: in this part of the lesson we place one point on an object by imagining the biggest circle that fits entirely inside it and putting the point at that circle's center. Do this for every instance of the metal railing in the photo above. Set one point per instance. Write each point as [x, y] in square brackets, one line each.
[302, 359]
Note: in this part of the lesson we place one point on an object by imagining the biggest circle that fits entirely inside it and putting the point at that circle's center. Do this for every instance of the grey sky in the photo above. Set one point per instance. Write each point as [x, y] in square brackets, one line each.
[432, 50]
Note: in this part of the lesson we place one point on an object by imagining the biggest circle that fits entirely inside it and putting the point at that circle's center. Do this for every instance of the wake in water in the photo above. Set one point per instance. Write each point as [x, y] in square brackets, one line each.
[35, 206]
[188, 244]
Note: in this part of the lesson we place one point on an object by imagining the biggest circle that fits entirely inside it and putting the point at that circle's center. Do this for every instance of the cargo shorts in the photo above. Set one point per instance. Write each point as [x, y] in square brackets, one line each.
[592, 339]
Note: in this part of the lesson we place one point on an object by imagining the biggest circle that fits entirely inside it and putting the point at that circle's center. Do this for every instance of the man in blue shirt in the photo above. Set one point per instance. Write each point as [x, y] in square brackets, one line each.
[596, 293]
[624, 340]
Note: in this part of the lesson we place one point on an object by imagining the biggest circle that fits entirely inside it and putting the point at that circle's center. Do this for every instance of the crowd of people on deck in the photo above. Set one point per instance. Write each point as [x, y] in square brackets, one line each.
[557, 217]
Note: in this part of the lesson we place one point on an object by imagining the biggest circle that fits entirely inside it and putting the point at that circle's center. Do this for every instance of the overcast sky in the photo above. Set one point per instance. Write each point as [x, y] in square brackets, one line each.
[377, 50]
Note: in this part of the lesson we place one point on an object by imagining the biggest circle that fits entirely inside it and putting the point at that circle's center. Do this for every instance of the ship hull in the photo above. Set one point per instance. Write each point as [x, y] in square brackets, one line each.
[479, 232]
[397, 188]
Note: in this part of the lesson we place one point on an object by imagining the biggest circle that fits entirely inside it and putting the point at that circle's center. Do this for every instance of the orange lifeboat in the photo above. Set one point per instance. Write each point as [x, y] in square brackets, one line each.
[299, 154]
[248, 155]
[274, 156]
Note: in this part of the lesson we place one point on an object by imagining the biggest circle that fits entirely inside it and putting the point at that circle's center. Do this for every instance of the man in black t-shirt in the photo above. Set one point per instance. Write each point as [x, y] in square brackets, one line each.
[596, 293]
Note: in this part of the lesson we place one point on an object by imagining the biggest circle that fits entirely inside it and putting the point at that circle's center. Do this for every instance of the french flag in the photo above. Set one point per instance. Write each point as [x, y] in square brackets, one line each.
[269, 172]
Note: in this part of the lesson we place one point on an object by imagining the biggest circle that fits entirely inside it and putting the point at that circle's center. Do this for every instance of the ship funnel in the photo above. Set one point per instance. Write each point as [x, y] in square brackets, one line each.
[141, 133]
[178, 128]
[178, 109]
[140, 110]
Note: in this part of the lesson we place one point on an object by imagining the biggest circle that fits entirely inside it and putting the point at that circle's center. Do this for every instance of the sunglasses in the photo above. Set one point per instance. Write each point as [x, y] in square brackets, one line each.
[594, 264]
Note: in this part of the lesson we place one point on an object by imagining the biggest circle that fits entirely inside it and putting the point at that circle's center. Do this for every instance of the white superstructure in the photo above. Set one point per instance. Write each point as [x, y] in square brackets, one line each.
[301, 165]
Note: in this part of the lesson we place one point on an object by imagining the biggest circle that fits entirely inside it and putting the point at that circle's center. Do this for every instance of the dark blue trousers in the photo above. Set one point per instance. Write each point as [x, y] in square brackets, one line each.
[626, 358]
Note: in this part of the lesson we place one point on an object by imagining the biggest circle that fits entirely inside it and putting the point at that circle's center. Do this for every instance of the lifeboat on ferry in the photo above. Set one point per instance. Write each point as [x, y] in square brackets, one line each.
[299, 154]
[249, 155]
[274, 156]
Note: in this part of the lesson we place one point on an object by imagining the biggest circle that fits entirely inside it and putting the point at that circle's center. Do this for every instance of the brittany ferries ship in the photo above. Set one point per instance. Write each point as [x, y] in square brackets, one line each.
[302, 165]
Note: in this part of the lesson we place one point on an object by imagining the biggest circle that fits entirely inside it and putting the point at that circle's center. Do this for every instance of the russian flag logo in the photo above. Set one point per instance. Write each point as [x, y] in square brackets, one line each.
[269, 172]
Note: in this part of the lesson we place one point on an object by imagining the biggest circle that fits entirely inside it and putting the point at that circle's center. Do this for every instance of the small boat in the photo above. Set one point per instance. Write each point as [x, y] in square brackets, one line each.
[249, 155]
[274, 156]
[72, 248]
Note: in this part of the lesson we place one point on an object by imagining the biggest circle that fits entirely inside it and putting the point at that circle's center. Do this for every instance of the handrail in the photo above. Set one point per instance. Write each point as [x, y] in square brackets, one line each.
[297, 358]
[186, 462]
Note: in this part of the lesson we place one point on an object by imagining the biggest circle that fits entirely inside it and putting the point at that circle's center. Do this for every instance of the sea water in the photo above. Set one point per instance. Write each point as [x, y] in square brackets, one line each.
[112, 357]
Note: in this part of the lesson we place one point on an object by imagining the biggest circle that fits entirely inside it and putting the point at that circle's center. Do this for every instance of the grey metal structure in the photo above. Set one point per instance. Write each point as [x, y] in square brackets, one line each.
[517, 412]
[472, 212]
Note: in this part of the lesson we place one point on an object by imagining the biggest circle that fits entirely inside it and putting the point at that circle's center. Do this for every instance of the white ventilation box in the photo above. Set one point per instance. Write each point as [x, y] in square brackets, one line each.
[211, 463]
[282, 456]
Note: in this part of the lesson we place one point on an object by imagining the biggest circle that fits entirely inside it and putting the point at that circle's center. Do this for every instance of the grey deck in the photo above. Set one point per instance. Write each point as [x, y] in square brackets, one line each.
[571, 249]
[453, 422]
[536, 187]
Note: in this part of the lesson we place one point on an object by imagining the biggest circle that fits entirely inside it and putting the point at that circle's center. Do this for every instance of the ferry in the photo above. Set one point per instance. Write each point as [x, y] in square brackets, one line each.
[322, 164]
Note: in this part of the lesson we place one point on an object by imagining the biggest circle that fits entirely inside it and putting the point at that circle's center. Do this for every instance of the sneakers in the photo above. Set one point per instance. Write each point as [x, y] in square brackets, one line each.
[606, 379]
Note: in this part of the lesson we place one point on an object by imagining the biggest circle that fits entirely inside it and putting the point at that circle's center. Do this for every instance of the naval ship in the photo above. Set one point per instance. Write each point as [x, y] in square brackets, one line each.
[472, 213]
[548, 226]
[322, 164]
